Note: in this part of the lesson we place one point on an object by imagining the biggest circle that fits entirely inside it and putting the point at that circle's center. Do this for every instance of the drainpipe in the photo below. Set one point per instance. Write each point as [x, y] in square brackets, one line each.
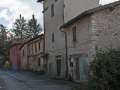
[66, 49]
[66, 56]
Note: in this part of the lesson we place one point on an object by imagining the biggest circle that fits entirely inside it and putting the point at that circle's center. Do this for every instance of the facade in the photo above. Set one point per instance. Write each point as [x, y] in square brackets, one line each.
[24, 56]
[15, 55]
[32, 54]
[56, 12]
[54, 38]
[95, 28]
[78, 46]
[76, 7]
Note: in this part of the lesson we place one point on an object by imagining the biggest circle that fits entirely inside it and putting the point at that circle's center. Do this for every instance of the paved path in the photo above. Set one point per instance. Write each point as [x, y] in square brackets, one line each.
[2, 84]
[31, 81]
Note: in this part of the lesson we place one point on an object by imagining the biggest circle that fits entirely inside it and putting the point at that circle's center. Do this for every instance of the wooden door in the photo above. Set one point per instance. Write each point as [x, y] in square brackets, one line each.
[58, 63]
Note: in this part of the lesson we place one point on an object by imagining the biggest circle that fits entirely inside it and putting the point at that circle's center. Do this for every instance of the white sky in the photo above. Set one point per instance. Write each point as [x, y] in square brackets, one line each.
[10, 10]
[106, 1]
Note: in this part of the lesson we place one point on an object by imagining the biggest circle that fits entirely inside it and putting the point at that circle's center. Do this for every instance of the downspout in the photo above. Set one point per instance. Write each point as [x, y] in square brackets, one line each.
[66, 55]
[66, 47]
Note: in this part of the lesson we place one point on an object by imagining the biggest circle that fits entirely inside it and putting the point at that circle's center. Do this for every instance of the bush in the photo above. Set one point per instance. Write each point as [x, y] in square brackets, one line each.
[106, 70]
[7, 65]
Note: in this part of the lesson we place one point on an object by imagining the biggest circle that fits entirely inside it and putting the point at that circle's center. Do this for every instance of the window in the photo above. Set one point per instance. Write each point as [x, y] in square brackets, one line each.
[74, 33]
[29, 50]
[56, 0]
[23, 52]
[58, 64]
[71, 64]
[32, 48]
[39, 62]
[35, 47]
[53, 37]
[52, 10]
[39, 45]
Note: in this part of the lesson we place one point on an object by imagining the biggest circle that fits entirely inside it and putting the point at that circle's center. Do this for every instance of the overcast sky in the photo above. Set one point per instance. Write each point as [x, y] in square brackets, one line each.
[10, 10]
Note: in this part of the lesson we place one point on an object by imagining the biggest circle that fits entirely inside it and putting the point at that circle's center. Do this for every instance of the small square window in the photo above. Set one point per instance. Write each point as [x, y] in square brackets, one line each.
[23, 53]
[52, 10]
[53, 37]
[35, 47]
[56, 0]
[39, 61]
[39, 45]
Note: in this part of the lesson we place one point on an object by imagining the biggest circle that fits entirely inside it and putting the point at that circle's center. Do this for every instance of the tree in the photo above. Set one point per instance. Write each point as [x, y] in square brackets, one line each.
[106, 70]
[34, 27]
[3, 35]
[20, 28]
[4, 44]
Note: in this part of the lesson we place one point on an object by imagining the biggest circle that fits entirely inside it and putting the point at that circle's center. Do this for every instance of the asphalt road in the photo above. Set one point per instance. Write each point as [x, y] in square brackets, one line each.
[10, 80]
[2, 84]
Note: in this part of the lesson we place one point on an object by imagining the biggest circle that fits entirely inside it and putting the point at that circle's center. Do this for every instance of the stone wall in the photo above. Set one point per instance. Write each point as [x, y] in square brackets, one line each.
[79, 50]
[24, 57]
[75, 7]
[106, 28]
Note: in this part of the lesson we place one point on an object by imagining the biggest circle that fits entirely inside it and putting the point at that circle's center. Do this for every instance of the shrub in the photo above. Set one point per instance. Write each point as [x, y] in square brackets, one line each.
[106, 70]
[7, 65]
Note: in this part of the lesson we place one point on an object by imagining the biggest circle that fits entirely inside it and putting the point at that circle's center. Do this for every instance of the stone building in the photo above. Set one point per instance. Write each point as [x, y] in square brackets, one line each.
[54, 38]
[24, 56]
[54, 16]
[95, 28]
[32, 54]
[75, 7]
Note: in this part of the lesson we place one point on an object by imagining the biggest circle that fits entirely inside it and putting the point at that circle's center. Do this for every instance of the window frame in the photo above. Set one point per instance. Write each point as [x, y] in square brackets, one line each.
[53, 37]
[52, 10]
[74, 33]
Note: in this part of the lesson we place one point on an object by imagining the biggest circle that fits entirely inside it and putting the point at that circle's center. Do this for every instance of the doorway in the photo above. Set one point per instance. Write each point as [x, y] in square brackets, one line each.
[83, 67]
[79, 70]
[58, 65]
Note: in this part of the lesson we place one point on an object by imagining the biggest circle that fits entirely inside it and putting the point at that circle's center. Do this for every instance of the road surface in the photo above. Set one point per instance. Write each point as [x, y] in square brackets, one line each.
[10, 80]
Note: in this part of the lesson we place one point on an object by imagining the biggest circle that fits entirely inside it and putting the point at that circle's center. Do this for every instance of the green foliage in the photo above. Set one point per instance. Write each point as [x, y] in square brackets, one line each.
[34, 27]
[23, 29]
[106, 70]
[7, 65]
[20, 28]
[2, 35]
[4, 44]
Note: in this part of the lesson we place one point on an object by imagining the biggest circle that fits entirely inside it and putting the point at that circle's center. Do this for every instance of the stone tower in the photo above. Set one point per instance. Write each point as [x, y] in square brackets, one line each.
[76, 7]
